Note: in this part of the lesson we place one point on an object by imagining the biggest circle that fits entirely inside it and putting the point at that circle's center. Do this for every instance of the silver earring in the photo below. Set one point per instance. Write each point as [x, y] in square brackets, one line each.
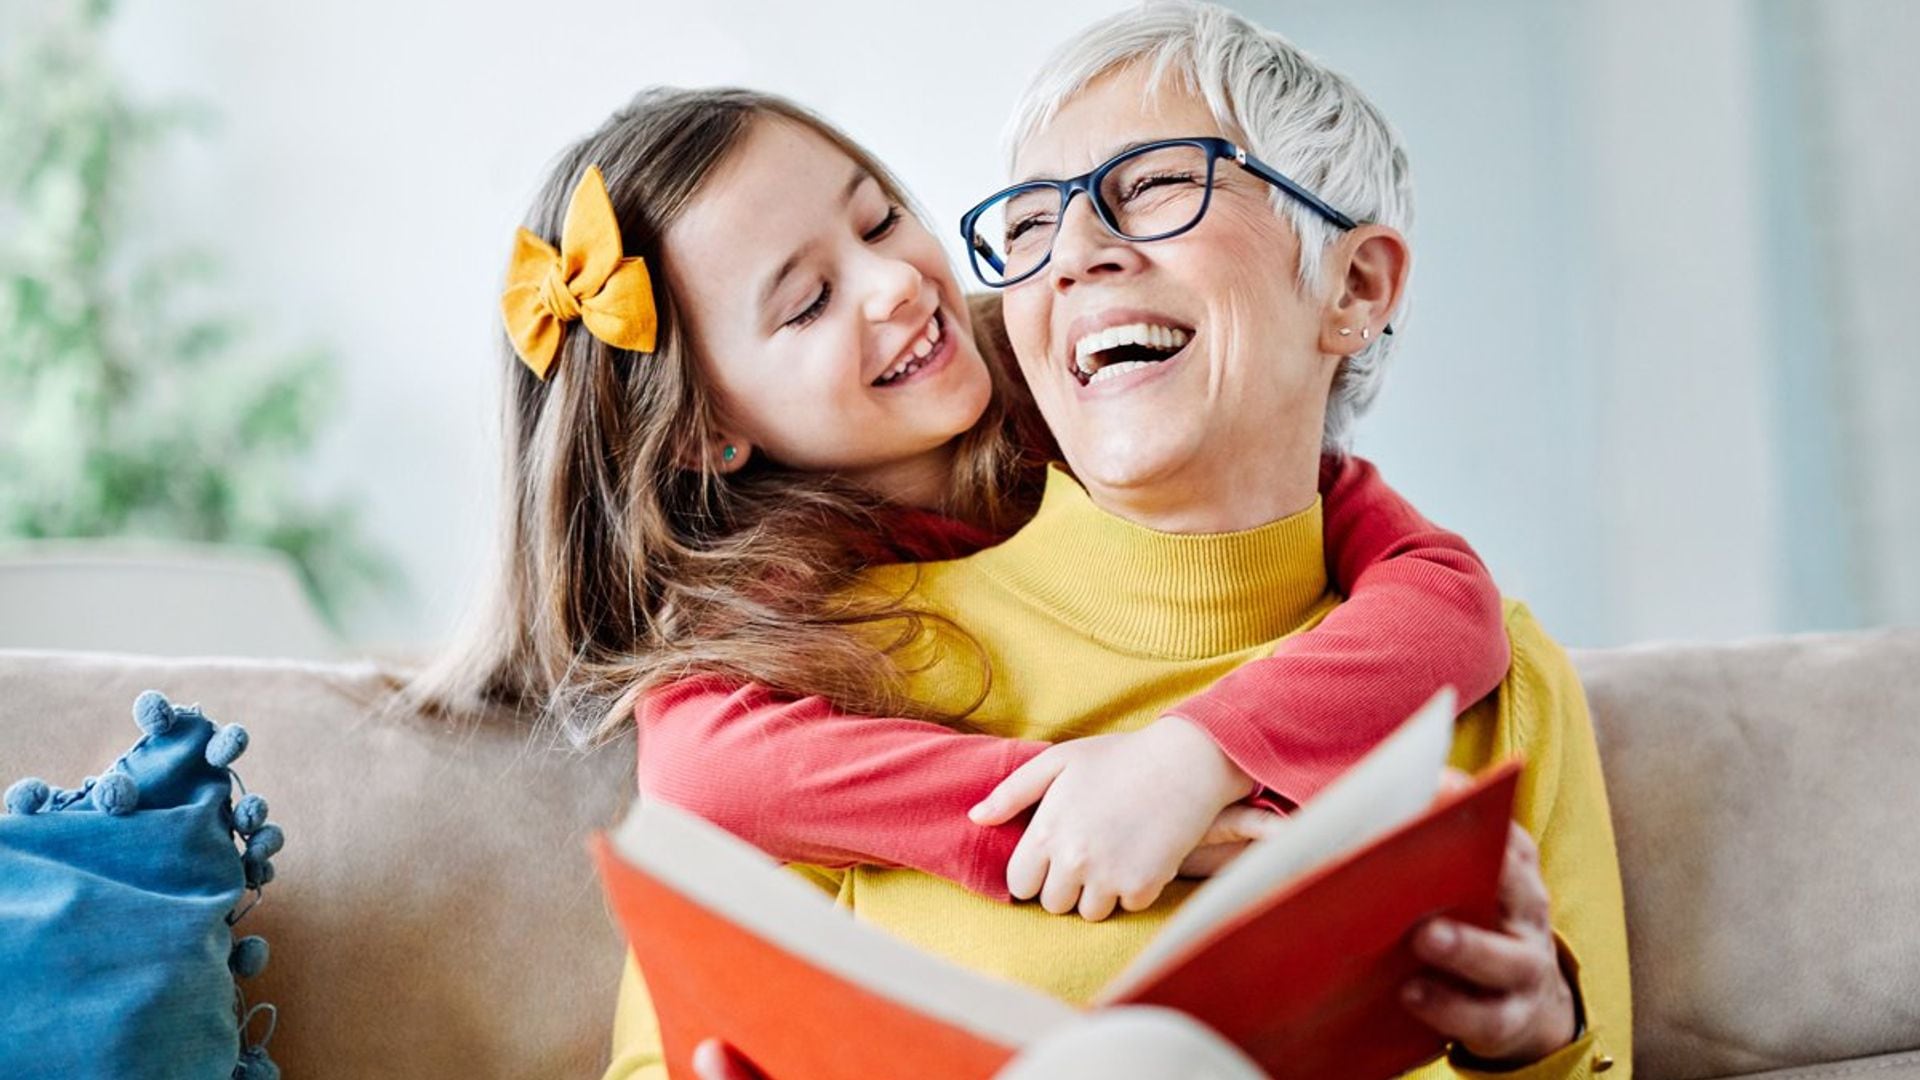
[1346, 331]
[1365, 333]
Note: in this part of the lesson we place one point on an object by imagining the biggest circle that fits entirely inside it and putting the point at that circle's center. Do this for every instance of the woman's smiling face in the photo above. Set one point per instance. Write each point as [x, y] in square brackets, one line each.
[1238, 381]
[826, 315]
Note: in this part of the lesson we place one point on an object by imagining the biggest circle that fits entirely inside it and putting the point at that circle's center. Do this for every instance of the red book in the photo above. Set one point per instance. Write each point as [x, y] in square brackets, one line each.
[1295, 953]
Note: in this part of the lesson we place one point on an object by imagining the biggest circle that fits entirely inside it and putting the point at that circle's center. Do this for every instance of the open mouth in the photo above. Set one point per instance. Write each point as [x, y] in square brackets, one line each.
[1114, 351]
[925, 350]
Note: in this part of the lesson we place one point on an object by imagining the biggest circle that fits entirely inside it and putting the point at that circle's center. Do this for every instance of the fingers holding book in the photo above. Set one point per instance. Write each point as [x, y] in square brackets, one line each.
[1499, 993]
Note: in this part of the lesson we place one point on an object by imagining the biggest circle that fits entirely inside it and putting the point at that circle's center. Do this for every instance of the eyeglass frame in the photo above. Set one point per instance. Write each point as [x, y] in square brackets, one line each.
[1089, 184]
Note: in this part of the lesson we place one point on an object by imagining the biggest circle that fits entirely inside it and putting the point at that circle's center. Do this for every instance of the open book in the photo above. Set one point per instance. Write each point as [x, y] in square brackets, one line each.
[1295, 952]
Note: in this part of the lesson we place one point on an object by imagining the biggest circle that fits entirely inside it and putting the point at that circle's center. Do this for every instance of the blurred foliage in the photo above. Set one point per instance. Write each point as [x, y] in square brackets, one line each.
[131, 403]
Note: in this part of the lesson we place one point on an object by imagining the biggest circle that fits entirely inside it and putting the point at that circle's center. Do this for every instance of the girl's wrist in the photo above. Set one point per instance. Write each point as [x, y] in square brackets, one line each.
[1233, 782]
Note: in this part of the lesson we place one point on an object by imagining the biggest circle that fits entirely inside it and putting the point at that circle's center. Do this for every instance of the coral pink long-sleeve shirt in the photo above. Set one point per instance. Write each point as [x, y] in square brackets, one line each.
[808, 783]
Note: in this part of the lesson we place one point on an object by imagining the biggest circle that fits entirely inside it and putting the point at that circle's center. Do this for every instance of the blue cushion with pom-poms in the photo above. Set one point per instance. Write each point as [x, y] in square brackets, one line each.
[153, 712]
[255, 869]
[249, 814]
[28, 796]
[267, 840]
[256, 1065]
[117, 953]
[249, 956]
[115, 792]
[227, 744]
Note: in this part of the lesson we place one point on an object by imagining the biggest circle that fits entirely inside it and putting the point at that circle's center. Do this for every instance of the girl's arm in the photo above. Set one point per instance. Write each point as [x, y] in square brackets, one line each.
[808, 783]
[1422, 612]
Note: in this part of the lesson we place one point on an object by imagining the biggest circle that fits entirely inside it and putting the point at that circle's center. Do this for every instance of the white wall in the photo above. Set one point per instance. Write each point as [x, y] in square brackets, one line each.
[1590, 386]
[1865, 138]
[1641, 228]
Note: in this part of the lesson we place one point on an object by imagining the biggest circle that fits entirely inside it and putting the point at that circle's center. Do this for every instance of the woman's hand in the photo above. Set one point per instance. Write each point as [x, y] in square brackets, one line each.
[1117, 815]
[1500, 994]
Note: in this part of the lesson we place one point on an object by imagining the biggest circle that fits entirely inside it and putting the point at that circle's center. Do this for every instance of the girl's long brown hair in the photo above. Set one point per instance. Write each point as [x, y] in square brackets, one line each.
[621, 566]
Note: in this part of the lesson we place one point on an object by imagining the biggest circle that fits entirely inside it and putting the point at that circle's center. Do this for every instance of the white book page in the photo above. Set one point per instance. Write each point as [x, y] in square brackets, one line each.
[736, 879]
[1389, 787]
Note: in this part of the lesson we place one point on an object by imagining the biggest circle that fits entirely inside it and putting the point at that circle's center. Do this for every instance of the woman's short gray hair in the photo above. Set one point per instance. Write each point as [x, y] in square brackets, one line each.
[1285, 107]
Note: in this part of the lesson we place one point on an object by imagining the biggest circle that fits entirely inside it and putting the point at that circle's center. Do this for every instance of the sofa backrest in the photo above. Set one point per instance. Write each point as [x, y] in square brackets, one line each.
[435, 912]
[1765, 805]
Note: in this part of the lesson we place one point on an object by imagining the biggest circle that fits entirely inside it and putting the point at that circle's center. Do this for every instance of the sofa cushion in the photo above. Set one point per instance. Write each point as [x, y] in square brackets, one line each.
[1881, 1067]
[435, 912]
[1763, 798]
[115, 904]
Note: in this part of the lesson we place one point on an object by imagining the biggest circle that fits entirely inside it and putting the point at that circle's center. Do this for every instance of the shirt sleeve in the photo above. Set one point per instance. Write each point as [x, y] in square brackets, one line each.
[1562, 803]
[808, 783]
[1422, 613]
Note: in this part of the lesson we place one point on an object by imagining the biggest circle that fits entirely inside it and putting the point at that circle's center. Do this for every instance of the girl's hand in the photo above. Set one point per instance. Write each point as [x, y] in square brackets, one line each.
[1117, 815]
[714, 1060]
[1232, 830]
[1499, 993]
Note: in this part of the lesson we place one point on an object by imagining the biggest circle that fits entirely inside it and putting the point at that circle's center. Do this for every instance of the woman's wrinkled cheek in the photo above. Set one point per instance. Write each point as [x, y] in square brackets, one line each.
[1026, 322]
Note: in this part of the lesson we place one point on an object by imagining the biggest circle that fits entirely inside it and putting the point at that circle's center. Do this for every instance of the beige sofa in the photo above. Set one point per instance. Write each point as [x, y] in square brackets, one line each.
[435, 914]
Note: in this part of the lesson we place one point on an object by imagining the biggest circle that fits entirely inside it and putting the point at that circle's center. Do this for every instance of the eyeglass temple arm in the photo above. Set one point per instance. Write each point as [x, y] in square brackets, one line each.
[1279, 179]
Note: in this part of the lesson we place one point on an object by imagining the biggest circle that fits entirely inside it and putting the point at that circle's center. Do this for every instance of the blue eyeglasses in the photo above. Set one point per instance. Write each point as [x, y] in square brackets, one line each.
[1149, 192]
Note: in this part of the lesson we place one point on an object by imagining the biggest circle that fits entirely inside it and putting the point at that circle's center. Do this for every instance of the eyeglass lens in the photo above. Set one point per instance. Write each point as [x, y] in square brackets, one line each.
[1144, 196]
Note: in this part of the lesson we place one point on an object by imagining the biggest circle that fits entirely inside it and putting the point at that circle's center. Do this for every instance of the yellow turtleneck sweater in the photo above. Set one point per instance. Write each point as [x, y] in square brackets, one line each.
[1088, 624]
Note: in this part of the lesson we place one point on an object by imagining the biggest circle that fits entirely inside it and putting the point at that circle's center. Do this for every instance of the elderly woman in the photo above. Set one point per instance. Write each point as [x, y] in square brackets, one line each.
[1183, 170]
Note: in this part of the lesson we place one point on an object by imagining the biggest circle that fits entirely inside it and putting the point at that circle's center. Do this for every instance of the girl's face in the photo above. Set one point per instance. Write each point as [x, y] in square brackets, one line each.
[826, 317]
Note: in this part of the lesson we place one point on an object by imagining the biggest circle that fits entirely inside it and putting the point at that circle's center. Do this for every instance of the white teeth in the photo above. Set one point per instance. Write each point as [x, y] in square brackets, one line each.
[1148, 334]
[1151, 335]
[921, 348]
[1114, 370]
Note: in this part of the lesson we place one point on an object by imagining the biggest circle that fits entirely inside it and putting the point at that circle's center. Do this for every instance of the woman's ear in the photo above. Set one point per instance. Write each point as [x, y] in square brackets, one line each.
[724, 452]
[1371, 277]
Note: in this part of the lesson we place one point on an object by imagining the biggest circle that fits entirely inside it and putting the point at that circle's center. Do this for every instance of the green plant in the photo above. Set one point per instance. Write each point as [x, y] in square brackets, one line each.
[131, 403]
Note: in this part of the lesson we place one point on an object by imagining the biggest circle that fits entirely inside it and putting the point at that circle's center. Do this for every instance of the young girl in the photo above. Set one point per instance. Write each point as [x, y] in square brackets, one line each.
[742, 372]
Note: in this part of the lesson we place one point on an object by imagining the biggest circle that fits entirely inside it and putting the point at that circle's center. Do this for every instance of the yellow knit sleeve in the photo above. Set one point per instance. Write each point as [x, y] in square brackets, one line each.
[1562, 802]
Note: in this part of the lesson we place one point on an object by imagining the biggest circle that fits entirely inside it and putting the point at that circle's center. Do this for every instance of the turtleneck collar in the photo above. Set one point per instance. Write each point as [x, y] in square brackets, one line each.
[1168, 595]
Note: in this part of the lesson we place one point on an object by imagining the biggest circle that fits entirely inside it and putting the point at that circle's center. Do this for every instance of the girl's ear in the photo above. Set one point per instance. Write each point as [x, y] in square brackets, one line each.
[724, 453]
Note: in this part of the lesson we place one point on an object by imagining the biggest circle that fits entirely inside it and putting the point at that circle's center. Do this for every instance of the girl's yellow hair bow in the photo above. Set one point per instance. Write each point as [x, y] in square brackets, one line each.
[589, 279]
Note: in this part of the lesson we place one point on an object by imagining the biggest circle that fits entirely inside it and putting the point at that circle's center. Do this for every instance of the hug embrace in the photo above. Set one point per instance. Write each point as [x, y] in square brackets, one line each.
[1006, 609]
